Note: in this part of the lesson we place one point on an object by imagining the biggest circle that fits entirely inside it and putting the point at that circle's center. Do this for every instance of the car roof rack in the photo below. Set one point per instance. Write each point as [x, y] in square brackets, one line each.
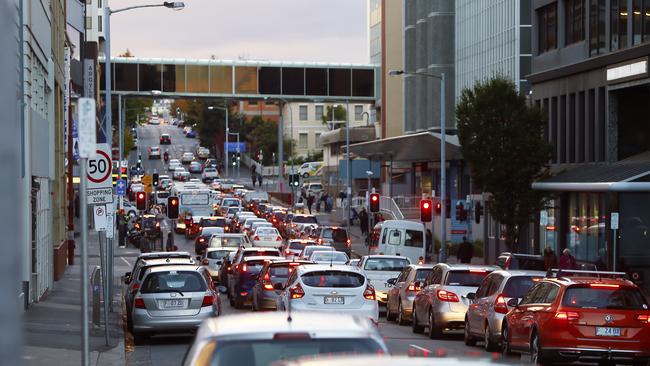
[557, 273]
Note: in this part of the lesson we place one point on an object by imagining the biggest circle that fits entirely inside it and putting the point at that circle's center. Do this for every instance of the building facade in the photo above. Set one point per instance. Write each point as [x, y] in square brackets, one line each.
[590, 76]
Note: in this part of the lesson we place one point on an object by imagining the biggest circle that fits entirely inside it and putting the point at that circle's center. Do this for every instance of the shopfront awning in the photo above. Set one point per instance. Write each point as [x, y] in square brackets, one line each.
[423, 146]
[623, 176]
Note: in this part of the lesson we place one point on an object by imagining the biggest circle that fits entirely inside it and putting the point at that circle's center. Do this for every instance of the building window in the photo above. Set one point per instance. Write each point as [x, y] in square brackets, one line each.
[302, 141]
[318, 143]
[99, 23]
[547, 21]
[597, 16]
[618, 26]
[358, 112]
[302, 113]
[319, 112]
[89, 22]
[574, 10]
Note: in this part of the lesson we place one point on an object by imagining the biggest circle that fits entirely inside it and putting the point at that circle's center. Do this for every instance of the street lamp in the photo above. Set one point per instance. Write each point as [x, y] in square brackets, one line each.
[227, 133]
[443, 158]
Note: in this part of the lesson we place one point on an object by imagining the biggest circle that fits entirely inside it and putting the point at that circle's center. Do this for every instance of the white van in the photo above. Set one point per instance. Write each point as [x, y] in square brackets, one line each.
[404, 238]
[309, 169]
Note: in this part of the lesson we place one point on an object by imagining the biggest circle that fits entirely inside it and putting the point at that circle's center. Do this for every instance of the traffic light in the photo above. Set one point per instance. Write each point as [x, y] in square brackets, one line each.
[155, 179]
[172, 207]
[478, 212]
[294, 180]
[448, 208]
[438, 208]
[426, 209]
[459, 211]
[141, 200]
[374, 202]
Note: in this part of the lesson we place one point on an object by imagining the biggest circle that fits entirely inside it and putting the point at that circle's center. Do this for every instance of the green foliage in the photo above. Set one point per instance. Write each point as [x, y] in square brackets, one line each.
[134, 108]
[501, 138]
[311, 156]
[128, 142]
[339, 114]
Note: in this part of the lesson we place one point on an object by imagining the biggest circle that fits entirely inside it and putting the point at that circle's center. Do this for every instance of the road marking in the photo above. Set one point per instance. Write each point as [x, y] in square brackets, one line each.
[425, 352]
[125, 261]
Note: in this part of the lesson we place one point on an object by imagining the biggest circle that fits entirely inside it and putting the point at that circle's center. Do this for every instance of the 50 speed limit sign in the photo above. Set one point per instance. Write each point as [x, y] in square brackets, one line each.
[98, 175]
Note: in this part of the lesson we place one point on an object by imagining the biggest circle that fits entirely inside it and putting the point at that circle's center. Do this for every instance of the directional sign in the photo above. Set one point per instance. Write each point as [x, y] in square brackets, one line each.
[86, 131]
[120, 187]
[100, 184]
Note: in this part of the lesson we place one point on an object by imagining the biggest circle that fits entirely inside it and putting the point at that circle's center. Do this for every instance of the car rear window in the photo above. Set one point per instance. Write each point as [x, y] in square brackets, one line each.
[218, 254]
[230, 241]
[518, 286]
[338, 235]
[308, 251]
[173, 281]
[297, 245]
[213, 222]
[465, 278]
[271, 252]
[268, 351]
[332, 279]
[305, 220]
[421, 274]
[254, 266]
[267, 231]
[626, 298]
[386, 264]
[330, 256]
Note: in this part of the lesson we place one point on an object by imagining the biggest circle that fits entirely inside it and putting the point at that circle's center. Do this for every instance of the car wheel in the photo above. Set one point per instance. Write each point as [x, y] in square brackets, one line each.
[505, 340]
[536, 355]
[401, 320]
[415, 326]
[305, 175]
[435, 330]
[467, 336]
[140, 338]
[390, 316]
[490, 344]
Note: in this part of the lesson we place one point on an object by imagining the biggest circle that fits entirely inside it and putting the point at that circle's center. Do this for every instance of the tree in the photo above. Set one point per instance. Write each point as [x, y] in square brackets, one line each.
[501, 138]
[127, 53]
[339, 114]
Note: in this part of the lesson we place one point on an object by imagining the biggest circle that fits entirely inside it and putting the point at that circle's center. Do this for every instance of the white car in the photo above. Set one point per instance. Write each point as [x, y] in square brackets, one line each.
[257, 225]
[246, 226]
[268, 237]
[379, 269]
[202, 153]
[154, 152]
[307, 250]
[173, 165]
[306, 170]
[326, 288]
[187, 157]
[213, 258]
[209, 174]
[325, 257]
[178, 172]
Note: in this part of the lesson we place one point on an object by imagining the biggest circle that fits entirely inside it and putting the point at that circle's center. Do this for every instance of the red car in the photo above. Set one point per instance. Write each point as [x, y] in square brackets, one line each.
[165, 139]
[585, 316]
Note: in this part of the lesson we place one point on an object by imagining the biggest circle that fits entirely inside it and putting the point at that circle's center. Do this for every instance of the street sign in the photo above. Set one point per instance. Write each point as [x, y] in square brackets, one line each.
[86, 130]
[99, 213]
[614, 221]
[147, 179]
[98, 176]
[148, 189]
[110, 219]
[120, 187]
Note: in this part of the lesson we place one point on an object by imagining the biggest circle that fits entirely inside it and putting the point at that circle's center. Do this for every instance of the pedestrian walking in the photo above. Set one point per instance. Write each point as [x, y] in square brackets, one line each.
[567, 260]
[363, 221]
[259, 179]
[550, 259]
[170, 242]
[310, 201]
[329, 203]
[253, 174]
[318, 201]
[465, 251]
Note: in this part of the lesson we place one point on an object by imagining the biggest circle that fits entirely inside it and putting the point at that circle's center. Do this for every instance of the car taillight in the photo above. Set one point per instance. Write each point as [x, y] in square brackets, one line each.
[500, 305]
[256, 237]
[348, 242]
[603, 285]
[447, 296]
[296, 292]
[567, 315]
[227, 228]
[643, 318]
[268, 287]
[135, 287]
[508, 261]
[413, 287]
[207, 300]
[279, 238]
[320, 241]
[369, 293]
[205, 262]
[137, 226]
[201, 240]
[139, 303]
[244, 268]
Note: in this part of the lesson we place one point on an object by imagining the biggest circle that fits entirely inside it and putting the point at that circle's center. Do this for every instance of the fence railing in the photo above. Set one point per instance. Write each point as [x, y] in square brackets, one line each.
[387, 205]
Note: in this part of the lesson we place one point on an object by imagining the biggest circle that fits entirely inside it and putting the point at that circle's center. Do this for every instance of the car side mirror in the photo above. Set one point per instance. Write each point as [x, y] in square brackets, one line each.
[391, 281]
[127, 278]
[222, 289]
[513, 303]
[278, 286]
[471, 296]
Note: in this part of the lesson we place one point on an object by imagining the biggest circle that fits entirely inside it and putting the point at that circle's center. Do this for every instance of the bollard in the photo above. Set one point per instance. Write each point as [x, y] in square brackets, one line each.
[96, 283]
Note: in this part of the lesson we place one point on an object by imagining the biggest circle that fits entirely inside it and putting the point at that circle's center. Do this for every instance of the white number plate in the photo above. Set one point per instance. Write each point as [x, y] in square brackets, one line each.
[608, 332]
[174, 304]
[334, 300]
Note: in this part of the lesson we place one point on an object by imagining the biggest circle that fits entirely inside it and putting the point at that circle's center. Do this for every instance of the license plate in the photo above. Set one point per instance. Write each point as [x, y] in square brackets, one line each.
[174, 304]
[267, 238]
[334, 300]
[608, 332]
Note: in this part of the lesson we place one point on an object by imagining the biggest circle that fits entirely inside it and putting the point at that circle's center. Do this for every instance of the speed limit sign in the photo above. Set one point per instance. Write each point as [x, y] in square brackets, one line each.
[98, 175]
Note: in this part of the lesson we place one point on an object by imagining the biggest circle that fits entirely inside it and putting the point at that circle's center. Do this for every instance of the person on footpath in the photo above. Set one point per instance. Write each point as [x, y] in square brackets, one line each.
[567, 260]
[253, 174]
[310, 202]
[550, 259]
[465, 251]
[363, 221]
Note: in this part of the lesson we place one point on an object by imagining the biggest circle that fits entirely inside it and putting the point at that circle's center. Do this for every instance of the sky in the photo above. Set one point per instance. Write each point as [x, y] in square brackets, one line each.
[276, 30]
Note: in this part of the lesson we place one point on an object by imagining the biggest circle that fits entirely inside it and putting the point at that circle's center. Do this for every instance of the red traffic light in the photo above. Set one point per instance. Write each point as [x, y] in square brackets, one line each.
[173, 202]
[374, 202]
[172, 207]
[141, 201]
[426, 205]
[425, 210]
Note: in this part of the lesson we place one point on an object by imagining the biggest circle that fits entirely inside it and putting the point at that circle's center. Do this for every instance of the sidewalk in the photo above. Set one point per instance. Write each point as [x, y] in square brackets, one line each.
[53, 326]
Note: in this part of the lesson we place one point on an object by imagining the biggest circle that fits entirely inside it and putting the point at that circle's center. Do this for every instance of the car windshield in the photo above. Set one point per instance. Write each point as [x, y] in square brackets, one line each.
[305, 220]
[421, 274]
[227, 241]
[221, 222]
[466, 278]
[337, 235]
[218, 254]
[268, 351]
[333, 279]
[267, 232]
[280, 273]
[386, 264]
[615, 297]
[329, 256]
[173, 281]
[517, 286]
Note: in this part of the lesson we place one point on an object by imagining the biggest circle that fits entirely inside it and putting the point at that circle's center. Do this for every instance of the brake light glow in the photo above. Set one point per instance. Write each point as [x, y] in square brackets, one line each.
[135, 287]
[348, 242]
[500, 305]
[296, 292]
[413, 287]
[369, 293]
[207, 300]
[477, 271]
[447, 296]
[244, 268]
[603, 285]
[201, 240]
[644, 318]
[279, 238]
[567, 315]
[287, 251]
[256, 237]
[139, 303]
